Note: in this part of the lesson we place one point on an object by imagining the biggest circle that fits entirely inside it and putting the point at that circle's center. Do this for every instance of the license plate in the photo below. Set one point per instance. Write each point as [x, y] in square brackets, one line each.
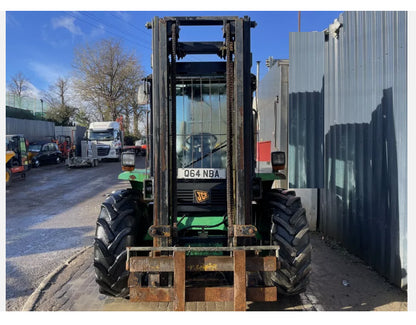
[201, 173]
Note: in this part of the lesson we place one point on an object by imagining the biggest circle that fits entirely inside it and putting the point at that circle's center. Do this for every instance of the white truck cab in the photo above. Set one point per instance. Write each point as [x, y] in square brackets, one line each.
[108, 137]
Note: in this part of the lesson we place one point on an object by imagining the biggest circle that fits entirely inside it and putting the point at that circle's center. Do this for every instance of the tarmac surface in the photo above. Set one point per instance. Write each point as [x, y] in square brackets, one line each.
[49, 254]
[50, 216]
[339, 282]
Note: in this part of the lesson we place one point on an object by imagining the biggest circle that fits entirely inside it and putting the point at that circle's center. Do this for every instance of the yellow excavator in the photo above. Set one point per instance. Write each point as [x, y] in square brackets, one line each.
[16, 157]
[9, 155]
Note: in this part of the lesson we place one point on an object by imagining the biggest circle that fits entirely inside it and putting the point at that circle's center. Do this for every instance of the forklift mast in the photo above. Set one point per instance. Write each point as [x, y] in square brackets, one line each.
[225, 125]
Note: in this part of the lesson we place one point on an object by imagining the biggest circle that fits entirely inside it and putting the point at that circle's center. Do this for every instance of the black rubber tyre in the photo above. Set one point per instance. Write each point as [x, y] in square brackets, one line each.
[8, 177]
[290, 230]
[118, 226]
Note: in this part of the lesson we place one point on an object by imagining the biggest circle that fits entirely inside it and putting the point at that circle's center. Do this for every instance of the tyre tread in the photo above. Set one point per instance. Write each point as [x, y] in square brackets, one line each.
[290, 230]
[117, 227]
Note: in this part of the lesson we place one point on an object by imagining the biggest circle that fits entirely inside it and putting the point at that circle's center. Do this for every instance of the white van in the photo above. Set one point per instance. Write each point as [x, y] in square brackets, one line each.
[108, 137]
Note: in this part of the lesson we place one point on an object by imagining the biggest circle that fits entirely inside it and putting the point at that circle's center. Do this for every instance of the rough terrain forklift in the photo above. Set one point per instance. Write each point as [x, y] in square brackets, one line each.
[199, 224]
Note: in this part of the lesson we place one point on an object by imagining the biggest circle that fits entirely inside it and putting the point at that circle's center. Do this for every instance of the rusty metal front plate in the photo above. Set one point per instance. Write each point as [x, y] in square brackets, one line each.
[213, 294]
[151, 264]
[148, 294]
[200, 264]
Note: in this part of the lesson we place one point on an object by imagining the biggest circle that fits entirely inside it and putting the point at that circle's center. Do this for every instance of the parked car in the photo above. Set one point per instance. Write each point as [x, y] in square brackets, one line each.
[44, 152]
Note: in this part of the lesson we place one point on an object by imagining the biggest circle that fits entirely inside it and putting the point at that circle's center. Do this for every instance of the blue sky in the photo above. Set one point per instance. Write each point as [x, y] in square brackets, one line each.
[40, 44]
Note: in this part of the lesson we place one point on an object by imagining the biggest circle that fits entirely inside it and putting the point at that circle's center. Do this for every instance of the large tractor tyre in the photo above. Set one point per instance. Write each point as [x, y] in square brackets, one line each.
[289, 230]
[118, 226]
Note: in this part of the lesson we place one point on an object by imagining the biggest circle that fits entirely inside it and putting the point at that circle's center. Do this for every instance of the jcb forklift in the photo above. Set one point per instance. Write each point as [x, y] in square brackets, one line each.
[199, 224]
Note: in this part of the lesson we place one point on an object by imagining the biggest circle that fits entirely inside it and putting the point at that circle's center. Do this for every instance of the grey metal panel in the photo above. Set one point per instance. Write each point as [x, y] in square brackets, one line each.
[32, 129]
[306, 110]
[267, 98]
[364, 200]
[273, 111]
[273, 93]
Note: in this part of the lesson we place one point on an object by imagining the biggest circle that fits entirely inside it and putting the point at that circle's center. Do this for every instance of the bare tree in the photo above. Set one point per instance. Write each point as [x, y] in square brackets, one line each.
[139, 114]
[103, 75]
[132, 107]
[57, 96]
[18, 85]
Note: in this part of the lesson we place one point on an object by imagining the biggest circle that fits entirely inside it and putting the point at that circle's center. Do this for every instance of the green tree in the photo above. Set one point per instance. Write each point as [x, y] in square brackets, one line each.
[60, 110]
[82, 118]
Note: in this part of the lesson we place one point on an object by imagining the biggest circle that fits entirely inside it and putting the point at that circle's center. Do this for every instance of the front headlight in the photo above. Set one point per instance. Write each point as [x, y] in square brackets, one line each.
[128, 161]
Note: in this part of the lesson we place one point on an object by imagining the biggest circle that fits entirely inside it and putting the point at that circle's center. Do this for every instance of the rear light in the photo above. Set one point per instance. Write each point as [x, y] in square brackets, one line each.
[128, 161]
[278, 160]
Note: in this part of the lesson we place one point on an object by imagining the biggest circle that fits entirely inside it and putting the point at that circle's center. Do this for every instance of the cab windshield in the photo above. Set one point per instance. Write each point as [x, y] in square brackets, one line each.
[100, 135]
[201, 123]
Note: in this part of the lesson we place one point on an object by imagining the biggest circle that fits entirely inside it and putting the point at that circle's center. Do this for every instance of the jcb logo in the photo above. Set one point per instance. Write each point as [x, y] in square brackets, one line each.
[201, 196]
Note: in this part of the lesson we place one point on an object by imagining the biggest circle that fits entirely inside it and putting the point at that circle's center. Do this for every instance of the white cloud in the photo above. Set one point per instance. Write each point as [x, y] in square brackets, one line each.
[67, 23]
[48, 72]
[32, 91]
[97, 32]
[123, 15]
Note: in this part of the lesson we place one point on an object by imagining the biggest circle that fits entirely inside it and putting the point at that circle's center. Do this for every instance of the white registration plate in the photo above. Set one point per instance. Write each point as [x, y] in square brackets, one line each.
[201, 173]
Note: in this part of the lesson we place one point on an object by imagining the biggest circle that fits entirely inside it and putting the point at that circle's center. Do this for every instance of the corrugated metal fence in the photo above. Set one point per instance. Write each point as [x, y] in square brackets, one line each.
[32, 129]
[363, 200]
[273, 108]
[306, 109]
[35, 130]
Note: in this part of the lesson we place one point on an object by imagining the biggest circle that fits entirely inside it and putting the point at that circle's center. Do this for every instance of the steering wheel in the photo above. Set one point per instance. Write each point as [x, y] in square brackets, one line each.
[197, 139]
